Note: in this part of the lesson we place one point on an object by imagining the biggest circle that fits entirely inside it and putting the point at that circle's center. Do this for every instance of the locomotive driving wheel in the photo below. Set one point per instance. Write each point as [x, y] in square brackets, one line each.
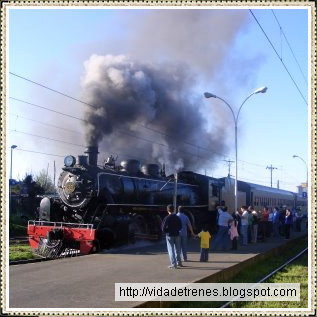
[140, 225]
[51, 246]
[148, 228]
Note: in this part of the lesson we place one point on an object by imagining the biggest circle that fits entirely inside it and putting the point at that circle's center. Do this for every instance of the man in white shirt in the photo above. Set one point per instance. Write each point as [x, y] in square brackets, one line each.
[222, 236]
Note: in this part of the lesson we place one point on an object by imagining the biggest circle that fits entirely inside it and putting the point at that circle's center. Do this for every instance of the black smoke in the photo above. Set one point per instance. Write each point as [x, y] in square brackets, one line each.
[157, 87]
[127, 96]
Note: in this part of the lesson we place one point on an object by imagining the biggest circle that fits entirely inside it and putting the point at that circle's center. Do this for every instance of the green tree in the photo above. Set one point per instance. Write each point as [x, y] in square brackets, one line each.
[45, 181]
[31, 187]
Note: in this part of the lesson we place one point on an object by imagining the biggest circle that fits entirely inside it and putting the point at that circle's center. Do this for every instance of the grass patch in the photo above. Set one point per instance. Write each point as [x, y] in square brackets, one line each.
[297, 272]
[21, 251]
[17, 230]
[253, 274]
[17, 226]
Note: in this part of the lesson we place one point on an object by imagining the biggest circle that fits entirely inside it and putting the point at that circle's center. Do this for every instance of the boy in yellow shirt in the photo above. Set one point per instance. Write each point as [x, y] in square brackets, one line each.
[204, 236]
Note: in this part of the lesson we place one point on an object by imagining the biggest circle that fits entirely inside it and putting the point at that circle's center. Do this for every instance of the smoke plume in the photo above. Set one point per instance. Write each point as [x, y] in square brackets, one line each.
[144, 102]
[129, 96]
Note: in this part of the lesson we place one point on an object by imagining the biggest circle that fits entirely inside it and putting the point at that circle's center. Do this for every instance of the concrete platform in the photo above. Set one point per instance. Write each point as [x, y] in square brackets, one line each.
[89, 281]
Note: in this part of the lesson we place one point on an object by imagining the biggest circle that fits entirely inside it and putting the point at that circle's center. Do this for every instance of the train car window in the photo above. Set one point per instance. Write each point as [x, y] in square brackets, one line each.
[215, 191]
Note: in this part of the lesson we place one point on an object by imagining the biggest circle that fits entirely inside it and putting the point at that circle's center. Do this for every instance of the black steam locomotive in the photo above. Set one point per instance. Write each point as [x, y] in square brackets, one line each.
[98, 207]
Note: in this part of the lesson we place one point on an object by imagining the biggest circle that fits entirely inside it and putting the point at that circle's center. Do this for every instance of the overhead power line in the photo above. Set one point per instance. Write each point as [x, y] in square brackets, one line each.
[57, 155]
[46, 138]
[51, 89]
[94, 107]
[119, 131]
[37, 152]
[44, 123]
[126, 132]
[281, 29]
[279, 57]
[48, 109]
[74, 144]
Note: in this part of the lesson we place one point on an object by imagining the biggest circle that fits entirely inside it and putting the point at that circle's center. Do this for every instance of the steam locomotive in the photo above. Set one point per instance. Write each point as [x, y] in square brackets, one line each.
[99, 207]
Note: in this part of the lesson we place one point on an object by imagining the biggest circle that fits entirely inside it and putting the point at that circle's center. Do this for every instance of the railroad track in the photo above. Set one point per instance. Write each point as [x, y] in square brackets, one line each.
[20, 241]
[271, 274]
[137, 245]
[42, 259]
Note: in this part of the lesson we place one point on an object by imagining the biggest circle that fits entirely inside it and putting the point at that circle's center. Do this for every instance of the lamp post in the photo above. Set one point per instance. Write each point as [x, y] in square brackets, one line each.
[306, 168]
[10, 199]
[235, 119]
[12, 148]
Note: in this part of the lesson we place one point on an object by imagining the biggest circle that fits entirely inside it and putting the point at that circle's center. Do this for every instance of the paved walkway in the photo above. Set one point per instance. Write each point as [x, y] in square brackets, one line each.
[89, 281]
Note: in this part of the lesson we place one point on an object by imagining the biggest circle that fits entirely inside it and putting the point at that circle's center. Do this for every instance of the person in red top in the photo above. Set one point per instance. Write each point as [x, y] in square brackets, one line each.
[265, 214]
[265, 219]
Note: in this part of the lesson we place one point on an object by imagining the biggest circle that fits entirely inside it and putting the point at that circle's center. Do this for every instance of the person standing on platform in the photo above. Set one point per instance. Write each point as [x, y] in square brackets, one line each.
[276, 222]
[250, 221]
[222, 238]
[298, 221]
[288, 223]
[244, 224]
[204, 236]
[172, 225]
[233, 232]
[183, 232]
[265, 219]
[270, 222]
[255, 224]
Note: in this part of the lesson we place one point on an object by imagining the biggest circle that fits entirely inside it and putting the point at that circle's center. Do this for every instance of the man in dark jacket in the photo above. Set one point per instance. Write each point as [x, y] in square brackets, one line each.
[171, 226]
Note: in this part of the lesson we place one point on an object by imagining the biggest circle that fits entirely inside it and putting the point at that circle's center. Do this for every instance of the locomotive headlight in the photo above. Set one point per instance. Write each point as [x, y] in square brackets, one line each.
[69, 188]
[69, 161]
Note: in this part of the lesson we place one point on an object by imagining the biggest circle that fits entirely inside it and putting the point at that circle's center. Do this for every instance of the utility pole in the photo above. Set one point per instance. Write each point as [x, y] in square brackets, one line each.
[271, 168]
[229, 165]
[175, 192]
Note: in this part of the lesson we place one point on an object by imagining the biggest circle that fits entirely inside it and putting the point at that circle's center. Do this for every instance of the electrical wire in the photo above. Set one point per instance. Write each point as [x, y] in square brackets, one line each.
[46, 138]
[94, 107]
[57, 155]
[278, 56]
[44, 123]
[129, 133]
[48, 109]
[51, 89]
[289, 46]
[78, 145]
[37, 152]
[118, 130]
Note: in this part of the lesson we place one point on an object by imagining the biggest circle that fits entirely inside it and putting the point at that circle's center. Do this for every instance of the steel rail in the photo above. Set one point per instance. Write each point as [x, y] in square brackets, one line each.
[270, 274]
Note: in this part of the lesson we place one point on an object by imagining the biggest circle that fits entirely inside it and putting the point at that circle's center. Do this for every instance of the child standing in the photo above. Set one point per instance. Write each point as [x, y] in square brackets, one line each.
[233, 232]
[204, 236]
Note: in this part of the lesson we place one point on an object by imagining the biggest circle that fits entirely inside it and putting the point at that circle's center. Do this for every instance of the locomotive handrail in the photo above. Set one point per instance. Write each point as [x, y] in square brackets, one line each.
[143, 178]
[60, 224]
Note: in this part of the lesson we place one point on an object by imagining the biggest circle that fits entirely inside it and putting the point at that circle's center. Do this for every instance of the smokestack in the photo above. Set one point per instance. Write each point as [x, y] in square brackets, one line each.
[92, 152]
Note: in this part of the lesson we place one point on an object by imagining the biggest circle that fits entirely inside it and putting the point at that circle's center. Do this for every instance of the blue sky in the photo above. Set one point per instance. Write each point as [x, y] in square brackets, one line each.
[50, 46]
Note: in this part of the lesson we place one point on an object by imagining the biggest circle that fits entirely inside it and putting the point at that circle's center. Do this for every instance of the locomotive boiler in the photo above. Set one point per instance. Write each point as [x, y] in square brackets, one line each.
[101, 206]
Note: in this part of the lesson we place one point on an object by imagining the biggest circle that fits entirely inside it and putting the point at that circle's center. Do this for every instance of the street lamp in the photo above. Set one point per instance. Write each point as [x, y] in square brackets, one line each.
[306, 168]
[12, 148]
[235, 119]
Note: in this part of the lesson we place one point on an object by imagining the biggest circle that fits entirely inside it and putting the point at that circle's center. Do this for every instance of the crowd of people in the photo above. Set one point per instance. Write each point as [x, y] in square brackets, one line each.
[242, 227]
[250, 226]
